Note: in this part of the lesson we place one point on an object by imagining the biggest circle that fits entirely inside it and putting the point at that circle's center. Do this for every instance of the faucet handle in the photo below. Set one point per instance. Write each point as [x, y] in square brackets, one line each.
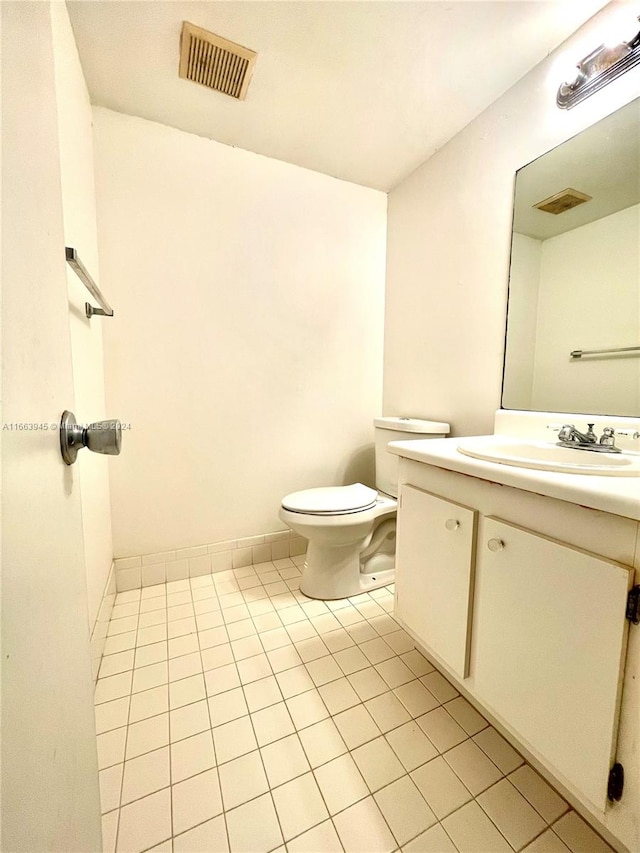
[608, 437]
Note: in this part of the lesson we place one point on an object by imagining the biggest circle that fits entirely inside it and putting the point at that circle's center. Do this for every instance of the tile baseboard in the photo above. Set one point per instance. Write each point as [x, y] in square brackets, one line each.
[165, 566]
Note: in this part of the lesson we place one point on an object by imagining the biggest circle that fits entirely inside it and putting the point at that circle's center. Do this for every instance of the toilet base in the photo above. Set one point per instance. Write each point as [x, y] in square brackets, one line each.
[331, 573]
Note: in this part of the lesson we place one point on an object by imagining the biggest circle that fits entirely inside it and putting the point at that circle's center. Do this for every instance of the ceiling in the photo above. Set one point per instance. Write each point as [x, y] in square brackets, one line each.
[363, 91]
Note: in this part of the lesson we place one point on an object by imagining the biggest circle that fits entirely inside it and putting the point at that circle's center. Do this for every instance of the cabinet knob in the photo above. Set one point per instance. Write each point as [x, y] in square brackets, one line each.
[495, 545]
[452, 524]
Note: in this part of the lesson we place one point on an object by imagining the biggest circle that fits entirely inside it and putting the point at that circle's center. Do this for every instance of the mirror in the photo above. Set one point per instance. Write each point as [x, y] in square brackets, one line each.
[574, 283]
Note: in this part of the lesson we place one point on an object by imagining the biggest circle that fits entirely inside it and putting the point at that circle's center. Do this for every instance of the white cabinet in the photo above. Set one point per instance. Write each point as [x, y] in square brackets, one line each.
[534, 629]
[549, 639]
[435, 550]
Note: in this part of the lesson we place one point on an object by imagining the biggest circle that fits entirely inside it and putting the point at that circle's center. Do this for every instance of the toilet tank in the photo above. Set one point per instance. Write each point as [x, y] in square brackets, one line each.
[399, 429]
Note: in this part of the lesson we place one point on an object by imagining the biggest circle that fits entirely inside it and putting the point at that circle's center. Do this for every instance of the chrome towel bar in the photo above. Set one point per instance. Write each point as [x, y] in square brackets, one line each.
[78, 267]
[578, 353]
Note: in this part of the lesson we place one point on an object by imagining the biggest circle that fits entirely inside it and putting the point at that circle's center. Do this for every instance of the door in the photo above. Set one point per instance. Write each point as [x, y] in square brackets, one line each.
[434, 574]
[50, 797]
[549, 643]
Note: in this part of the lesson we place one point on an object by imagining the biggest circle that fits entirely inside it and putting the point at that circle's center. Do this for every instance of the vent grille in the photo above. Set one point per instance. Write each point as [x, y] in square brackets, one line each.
[215, 62]
[562, 201]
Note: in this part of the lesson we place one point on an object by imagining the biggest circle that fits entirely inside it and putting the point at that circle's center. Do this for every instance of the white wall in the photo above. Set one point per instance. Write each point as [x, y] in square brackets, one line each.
[448, 242]
[246, 348]
[78, 202]
[50, 794]
[523, 316]
[589, 292]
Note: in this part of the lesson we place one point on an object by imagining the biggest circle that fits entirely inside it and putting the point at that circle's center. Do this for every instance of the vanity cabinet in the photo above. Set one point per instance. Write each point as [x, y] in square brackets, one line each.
[436, 546]
[531, 627]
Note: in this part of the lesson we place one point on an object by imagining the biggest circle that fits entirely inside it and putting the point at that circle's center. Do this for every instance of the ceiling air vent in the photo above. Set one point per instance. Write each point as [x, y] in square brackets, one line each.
[562, 201]
[215, 62]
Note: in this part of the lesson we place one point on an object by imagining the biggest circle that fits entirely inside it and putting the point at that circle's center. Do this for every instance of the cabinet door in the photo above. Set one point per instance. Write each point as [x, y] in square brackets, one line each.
[434, 574]
[549, 642]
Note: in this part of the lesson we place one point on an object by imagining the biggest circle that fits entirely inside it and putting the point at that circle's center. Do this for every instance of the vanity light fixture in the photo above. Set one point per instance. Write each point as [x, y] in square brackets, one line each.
[600, 67]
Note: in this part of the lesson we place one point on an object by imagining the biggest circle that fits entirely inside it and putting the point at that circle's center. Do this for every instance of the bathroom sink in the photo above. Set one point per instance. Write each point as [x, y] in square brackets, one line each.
[544, 456]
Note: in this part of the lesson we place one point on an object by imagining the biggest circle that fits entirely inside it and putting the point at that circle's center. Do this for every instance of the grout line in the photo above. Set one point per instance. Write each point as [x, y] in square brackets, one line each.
[300, 599]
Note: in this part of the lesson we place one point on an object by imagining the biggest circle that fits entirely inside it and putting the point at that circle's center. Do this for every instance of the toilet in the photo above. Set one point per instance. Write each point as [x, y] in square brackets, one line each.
[351, 530]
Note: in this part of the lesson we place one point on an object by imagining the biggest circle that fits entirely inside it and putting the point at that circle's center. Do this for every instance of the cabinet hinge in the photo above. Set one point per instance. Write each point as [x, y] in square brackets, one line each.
[616, 782]
[633, 605]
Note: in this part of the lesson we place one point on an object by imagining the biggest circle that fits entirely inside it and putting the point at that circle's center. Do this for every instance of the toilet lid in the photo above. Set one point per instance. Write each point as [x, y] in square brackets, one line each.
[331, 500]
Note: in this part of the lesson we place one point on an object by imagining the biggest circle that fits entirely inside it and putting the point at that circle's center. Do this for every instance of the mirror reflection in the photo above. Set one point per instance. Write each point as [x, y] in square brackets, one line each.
[575, 275]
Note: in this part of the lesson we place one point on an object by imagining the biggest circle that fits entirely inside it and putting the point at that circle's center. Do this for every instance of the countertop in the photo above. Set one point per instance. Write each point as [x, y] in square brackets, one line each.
[616, 495]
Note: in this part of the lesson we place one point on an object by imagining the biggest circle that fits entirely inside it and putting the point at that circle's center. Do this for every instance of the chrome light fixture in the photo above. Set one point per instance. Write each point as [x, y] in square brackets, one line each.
[599, 68]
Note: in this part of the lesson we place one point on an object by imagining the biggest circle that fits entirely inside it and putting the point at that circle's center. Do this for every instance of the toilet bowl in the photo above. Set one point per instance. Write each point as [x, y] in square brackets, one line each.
[351, 530]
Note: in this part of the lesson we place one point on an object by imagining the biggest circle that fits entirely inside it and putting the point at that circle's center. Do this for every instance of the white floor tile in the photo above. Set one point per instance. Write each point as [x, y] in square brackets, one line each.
[113, 687]
[210, 836]
[306, 709]
[272, 723]
[185, 666]
[242, 780]
[185, 691]
[253, 827]
[294, 681]
[189, 720]
[191, 756]
[284, 760]
[411, 745]
[516, 819]
[441, 788]
[499, 751]
[387, 711]
[299, 805]
[112, 715]
[110, 786]
[149, 703]
[321, 839]
[195, 800]
[227, 706]
[472, 832]
[322, 742]
[441, 729]
[221, 679]
[473, 767]
[341, 783]
[356, 725]
[416, 698]
[145, 823]
[111, 747]
[437, 684]
[363, 829]
[145, 775]
[541, 795]
[367, 683]
[578, 836]
[244, 689]
[466, 715]
[338, 695]
[262, 693]
[216, 656]
[147, 735]
[378, 764]
[434, 840]
[234, 739]
[285, 657]
[404, 809]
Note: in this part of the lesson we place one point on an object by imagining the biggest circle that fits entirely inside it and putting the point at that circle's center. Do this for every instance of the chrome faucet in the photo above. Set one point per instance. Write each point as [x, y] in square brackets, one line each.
[569, 436]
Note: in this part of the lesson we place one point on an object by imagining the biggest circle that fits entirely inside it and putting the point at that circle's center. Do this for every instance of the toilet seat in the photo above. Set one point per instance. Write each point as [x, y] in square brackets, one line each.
[331, 500]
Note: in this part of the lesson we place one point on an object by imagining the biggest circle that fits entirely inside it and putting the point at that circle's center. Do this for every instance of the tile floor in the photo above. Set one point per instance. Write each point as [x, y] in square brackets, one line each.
[235, 714]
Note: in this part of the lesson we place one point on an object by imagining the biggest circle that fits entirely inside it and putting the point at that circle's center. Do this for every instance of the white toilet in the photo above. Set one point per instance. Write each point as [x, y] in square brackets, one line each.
[352, 529]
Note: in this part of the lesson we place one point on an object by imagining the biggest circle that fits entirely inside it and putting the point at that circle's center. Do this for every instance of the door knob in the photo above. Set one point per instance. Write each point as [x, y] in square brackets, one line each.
[100, 437]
